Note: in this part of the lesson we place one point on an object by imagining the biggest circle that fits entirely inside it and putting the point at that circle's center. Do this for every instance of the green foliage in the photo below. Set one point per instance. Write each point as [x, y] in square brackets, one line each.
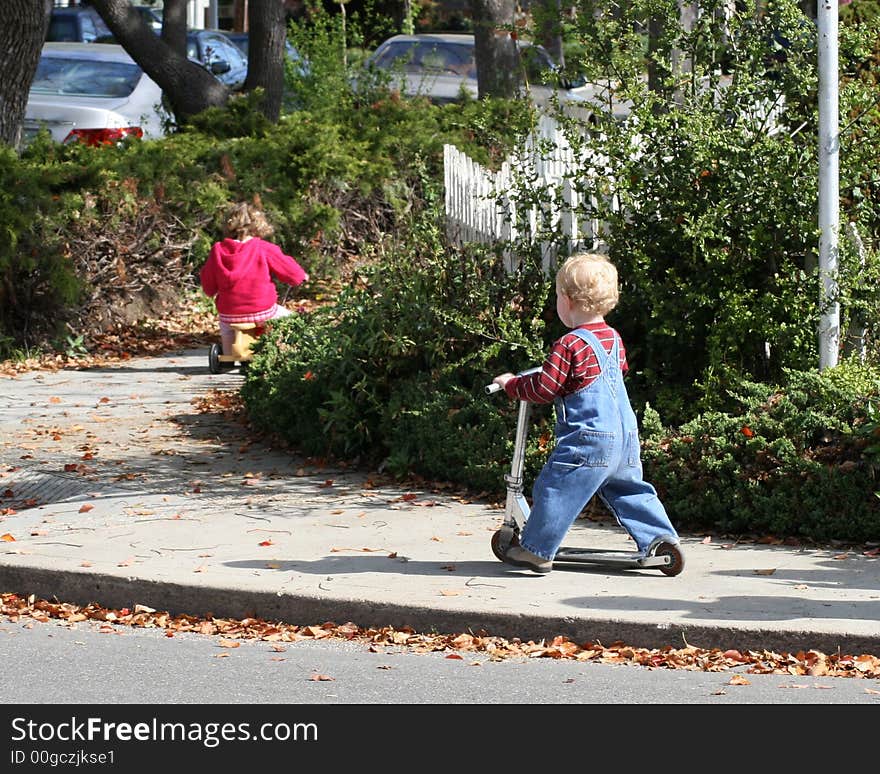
[384, 374]
[791, 460]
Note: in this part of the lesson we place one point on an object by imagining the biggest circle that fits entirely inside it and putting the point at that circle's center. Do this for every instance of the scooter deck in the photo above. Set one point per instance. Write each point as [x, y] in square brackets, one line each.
[609, 557]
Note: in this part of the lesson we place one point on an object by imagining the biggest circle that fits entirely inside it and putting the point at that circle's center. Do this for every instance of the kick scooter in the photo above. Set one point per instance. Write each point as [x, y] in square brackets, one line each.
[666, 557]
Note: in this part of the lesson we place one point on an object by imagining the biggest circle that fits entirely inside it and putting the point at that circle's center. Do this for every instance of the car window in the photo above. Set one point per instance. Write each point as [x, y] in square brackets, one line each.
[216, 48]
[416, 57]
[62, 28]
[89, 33]
[83, 77]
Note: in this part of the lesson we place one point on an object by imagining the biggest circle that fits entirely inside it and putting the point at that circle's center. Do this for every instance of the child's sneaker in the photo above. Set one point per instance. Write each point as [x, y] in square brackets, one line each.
[521, 557]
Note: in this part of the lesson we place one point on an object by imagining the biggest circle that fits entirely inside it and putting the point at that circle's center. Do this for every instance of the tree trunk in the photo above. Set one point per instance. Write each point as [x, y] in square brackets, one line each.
[188, 87]
[23, 25]
[174, 24]
[267, 32]
[494, 48]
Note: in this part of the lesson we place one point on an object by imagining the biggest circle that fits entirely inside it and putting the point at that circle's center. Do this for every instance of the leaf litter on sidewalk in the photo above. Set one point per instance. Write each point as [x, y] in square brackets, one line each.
[803, 663]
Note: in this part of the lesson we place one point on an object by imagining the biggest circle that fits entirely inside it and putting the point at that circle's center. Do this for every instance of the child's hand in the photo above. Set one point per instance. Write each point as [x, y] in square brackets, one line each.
[502, 379]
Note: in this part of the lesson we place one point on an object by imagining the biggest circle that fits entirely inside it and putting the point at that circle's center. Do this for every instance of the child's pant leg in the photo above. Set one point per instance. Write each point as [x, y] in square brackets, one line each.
[635, 505]
[560, 493]
[227, 336]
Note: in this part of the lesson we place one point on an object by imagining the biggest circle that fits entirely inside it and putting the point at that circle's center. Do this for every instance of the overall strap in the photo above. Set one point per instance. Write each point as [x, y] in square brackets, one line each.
[593, 340]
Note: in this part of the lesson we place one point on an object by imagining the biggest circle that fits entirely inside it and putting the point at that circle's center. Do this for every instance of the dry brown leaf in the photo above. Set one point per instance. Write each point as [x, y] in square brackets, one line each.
[321, 678]
[86, 507]
[229, 643]
[449, 593]
[7, 538]
[738, 680]
[765, 572]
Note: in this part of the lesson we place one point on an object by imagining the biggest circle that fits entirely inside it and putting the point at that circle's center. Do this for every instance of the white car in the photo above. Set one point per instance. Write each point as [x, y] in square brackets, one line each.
[96, 94]
[442, 67]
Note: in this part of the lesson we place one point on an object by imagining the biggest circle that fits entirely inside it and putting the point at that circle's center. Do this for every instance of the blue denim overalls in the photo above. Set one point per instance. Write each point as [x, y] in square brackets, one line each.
[597, 449]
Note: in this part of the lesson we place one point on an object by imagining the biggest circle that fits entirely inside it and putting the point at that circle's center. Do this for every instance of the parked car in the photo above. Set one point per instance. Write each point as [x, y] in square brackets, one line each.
[218, 54]
[151, 16]
[95, 94]
[77, 23]
[241, 40]
[443, 67]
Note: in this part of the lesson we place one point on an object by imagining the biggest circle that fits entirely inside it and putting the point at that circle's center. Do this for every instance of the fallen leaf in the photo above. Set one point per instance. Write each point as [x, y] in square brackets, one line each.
[765, 572]
[320, 678]
[53, 399]
[86, 507]
[449, 593]
[455, 656]
[738, 680]
[265, 543]
[229, 644]
[7, 538]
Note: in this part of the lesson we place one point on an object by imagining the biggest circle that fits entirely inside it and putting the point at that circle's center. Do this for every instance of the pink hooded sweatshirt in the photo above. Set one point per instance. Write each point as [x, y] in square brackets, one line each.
[240, 275]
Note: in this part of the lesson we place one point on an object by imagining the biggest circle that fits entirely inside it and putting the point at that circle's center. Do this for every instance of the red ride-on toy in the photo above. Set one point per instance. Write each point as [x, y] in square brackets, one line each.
[240, 352]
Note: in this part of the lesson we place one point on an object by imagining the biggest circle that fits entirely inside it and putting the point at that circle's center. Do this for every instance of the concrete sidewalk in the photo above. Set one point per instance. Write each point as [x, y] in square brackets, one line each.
[117, 489]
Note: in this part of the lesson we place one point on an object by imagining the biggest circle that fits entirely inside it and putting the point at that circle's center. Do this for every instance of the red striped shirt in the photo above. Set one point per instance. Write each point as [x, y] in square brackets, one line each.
[570, 366]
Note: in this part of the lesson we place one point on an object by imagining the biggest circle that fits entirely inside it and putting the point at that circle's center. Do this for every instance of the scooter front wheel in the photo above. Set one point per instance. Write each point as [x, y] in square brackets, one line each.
[673, 551]
[498, 549]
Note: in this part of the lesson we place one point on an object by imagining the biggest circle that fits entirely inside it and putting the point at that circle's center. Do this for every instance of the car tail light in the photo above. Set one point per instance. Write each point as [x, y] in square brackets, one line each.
[95, 137]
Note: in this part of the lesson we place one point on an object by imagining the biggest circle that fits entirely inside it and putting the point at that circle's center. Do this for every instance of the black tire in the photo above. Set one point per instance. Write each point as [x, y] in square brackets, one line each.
[668, 549]
[214, 365]
[496, 544]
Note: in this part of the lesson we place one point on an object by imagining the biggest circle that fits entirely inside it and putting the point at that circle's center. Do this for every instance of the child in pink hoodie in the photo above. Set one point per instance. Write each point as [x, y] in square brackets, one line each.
[239, 271]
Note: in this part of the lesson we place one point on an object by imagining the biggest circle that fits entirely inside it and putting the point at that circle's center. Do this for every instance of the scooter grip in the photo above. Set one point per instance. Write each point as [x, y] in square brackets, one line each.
[492, 388]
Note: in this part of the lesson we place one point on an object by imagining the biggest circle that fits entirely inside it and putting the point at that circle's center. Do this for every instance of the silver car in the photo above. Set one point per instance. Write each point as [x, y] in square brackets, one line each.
[442, 67]
[94, 94]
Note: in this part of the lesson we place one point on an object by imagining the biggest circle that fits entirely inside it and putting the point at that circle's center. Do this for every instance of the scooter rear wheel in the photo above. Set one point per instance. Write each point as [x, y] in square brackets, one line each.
[671, 550]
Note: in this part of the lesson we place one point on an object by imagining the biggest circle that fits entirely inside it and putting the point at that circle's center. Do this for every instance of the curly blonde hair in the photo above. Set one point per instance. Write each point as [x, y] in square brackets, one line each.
[246, 220]
[590, 281]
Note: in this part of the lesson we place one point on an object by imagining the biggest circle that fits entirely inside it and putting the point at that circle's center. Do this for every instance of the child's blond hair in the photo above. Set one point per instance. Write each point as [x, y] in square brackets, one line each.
[590, 281]
[246, 220]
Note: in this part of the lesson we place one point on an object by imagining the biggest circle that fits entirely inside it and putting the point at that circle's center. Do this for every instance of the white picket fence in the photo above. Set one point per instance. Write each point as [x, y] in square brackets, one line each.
[481, 205]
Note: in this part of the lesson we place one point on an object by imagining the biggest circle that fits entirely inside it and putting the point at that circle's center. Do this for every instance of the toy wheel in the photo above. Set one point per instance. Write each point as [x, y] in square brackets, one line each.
[496, 545]
[214, 365]
[669, 549]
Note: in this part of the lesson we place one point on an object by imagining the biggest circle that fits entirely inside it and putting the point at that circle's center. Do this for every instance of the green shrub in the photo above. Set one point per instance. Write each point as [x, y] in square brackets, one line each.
[791, 460]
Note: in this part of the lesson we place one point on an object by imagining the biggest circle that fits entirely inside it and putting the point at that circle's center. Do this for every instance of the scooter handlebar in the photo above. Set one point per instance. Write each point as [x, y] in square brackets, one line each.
[493, 388]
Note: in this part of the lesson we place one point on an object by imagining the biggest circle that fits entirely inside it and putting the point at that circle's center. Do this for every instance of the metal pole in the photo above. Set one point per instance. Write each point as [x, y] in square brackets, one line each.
[829, 184]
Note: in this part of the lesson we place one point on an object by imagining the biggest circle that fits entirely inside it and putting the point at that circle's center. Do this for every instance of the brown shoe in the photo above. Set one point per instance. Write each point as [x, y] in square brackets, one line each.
[520, 557]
